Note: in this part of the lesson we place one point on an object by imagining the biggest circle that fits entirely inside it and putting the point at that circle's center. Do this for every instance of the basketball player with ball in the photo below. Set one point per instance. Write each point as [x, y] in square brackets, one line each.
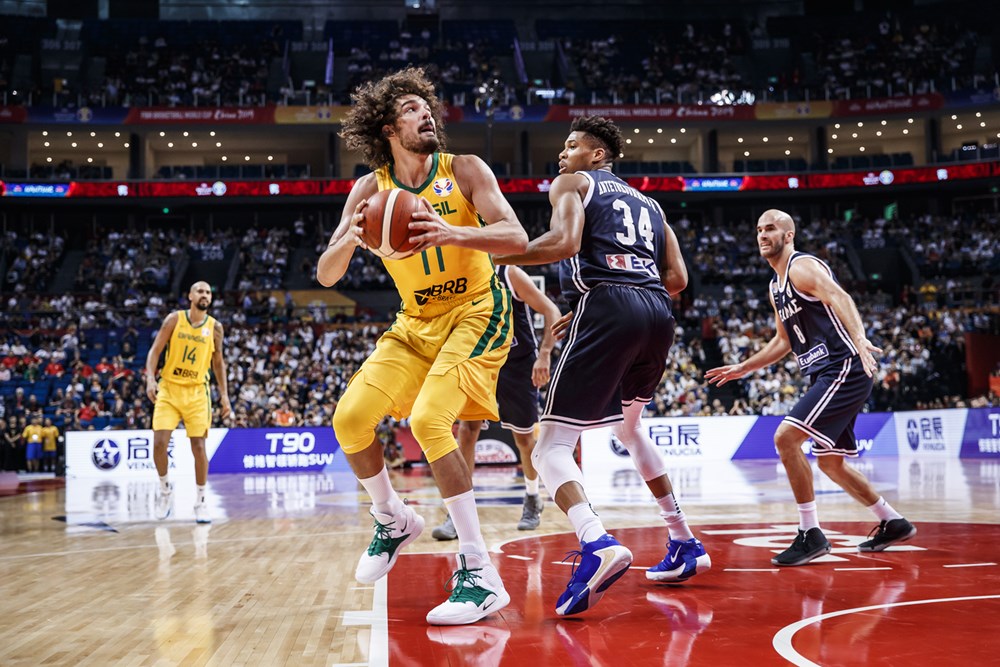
[434, 218]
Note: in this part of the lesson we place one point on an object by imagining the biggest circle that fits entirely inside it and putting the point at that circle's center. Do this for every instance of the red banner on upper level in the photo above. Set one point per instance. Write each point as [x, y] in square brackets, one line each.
[201, 115]
[13, 114]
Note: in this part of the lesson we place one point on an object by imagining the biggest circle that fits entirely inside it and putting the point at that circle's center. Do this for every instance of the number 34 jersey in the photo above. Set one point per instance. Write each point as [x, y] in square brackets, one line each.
[624, 238]
[189, 351]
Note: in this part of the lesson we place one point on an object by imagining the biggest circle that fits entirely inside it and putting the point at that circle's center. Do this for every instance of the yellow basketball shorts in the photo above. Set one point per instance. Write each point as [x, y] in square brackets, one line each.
[189, 402]
[472, 339]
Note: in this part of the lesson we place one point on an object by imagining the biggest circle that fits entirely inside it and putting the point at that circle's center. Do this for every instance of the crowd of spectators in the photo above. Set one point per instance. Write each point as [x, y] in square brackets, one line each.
[126, 267]
[263, 258]
[155, 72]
[897, 53]
[31, 259]
[895, 56]
[662, 69]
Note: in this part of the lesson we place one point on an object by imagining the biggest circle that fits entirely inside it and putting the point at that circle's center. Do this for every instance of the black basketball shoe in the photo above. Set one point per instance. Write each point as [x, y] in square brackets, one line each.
[888, 532]
[808, 544]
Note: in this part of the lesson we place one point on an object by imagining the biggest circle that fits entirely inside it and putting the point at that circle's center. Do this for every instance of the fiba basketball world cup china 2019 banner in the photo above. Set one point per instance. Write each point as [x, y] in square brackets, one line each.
[261, 451]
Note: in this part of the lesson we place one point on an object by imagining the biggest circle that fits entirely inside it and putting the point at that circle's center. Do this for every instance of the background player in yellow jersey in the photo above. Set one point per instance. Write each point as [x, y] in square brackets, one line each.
[193, 341]
[440, 359]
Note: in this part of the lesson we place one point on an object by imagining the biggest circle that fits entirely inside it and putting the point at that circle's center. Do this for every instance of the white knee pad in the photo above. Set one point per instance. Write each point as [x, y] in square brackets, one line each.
[553, 456]
[645, 457]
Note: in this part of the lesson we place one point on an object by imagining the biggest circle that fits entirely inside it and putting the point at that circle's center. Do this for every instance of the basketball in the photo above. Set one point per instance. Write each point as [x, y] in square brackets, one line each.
[387, 223]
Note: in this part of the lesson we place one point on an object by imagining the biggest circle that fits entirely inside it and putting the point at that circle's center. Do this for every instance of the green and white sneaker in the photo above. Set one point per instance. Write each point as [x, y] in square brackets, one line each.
[392, 533]
[477, 592]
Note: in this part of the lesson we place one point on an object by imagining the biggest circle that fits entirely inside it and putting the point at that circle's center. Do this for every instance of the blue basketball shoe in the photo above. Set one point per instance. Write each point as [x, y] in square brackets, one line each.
[595, 567]
[684, 559]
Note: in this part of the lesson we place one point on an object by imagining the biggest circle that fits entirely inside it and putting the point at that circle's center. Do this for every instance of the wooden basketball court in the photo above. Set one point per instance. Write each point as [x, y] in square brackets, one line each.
[91, 579]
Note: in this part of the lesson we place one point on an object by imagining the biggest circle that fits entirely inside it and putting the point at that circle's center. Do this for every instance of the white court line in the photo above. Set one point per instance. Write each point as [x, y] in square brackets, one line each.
[378, 619]
[516, 557]
[859, 569]
[782, 641]
[970, 565]
[750, 569]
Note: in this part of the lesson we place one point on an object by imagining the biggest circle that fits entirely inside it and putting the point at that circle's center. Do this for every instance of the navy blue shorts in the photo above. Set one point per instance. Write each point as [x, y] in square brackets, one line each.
[614, 355]
[827, 411]
[517, 397]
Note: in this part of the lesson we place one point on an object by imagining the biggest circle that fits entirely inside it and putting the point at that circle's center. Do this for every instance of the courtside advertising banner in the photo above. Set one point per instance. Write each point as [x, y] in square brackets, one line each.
[111, 477]
[130, 453]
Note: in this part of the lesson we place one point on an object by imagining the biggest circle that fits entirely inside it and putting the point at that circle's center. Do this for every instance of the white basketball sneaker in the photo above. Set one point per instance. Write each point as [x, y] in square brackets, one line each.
[477, 592]
[165, 502]
[392, 533]
[201, 513]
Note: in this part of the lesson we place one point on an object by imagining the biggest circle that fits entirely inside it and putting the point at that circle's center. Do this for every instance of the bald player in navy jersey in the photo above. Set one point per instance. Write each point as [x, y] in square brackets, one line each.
[623, 264]
[817, 321]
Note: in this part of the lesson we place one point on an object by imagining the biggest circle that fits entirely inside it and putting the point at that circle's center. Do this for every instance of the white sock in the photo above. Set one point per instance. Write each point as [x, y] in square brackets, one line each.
[201, 494]
[164, 483]
[383, 496]
[531, 486]
[884, 510]
[585, 521]
[674, 516]
[808, 516]
[462, 509]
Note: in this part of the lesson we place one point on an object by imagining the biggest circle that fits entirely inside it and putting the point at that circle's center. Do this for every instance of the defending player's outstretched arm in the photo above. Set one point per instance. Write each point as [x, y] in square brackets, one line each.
[775, 350]
[565, 232]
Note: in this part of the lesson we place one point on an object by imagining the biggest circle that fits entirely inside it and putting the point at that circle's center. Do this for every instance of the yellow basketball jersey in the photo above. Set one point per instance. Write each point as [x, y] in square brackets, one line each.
[435, 280]
[189, 351]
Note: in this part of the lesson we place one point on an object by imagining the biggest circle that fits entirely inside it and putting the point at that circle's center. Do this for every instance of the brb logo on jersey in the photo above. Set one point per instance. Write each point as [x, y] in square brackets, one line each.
[106, 454]
[442, 292]
[443, 187]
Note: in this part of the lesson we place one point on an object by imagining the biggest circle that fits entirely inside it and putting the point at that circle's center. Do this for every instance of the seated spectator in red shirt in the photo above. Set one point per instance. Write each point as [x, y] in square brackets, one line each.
[54, 369]
[103, 366]
[87, 412]
[118, 369]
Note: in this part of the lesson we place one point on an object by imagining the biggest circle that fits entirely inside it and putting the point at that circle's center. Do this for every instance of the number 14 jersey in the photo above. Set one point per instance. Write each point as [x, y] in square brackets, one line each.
[189, 351]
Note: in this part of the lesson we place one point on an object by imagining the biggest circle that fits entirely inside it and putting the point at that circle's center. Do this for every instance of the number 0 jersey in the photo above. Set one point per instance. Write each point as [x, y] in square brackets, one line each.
[189, 351]
[624, 238]
[818, 338]
[436, 280]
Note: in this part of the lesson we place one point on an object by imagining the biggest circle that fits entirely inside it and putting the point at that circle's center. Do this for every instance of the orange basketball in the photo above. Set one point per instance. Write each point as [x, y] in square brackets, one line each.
[387, 223]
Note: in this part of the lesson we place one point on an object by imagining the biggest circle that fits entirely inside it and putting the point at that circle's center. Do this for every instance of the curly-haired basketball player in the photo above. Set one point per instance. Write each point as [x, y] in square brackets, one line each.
[440, 359]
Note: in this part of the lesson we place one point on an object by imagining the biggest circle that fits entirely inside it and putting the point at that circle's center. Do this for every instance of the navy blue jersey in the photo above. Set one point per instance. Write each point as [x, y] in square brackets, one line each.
[524, 341]
[624, 238]
[819, 339]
